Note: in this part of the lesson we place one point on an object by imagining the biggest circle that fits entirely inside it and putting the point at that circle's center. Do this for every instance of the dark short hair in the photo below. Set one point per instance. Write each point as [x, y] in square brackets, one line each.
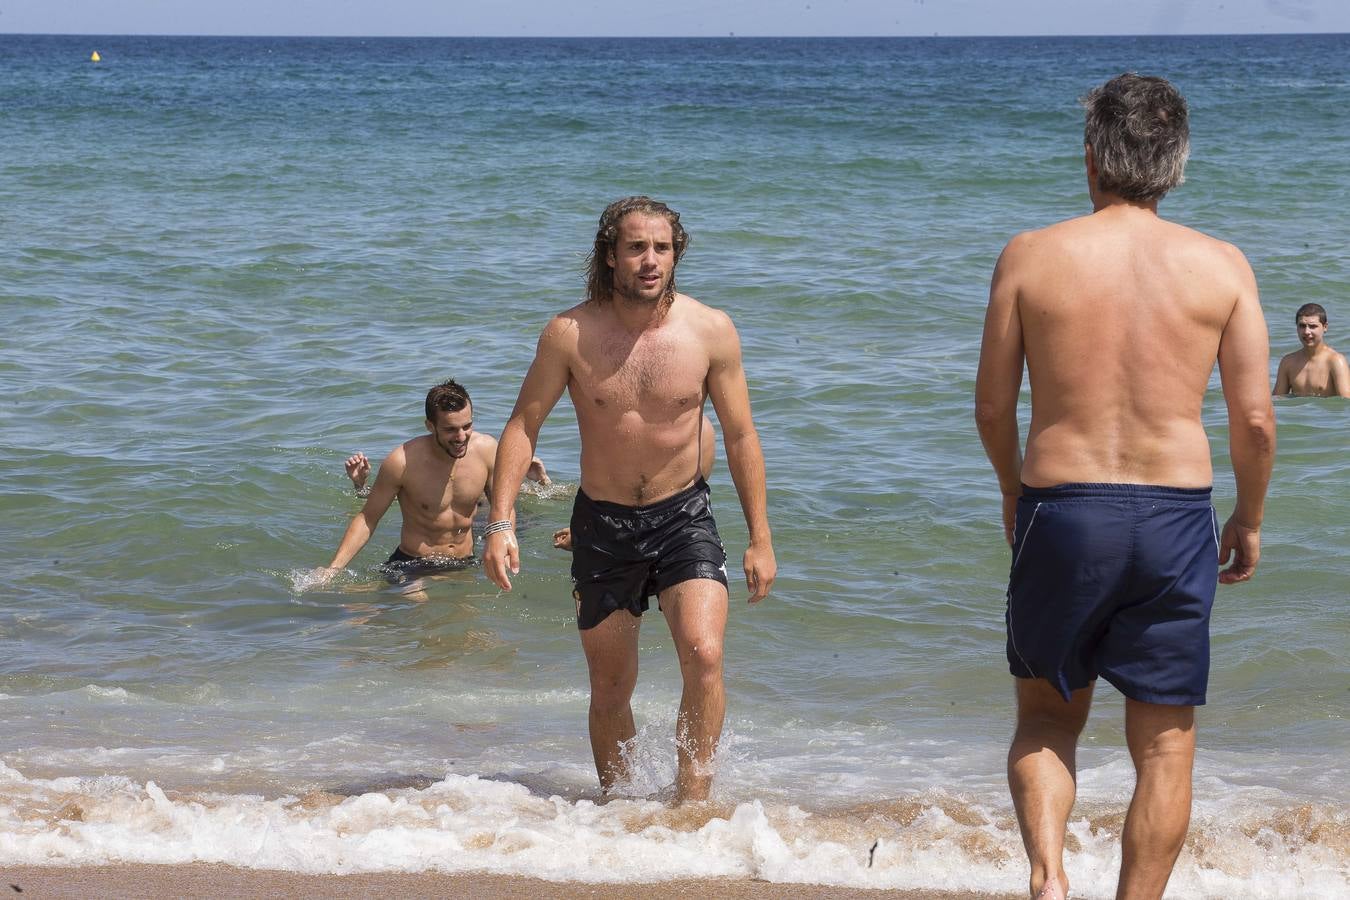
[1311, 309]
[599, 274]
[448, 396]
[1139, 131]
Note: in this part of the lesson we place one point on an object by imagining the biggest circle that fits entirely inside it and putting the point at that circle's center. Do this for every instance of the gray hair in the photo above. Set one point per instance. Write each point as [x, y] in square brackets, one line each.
[1138, 128]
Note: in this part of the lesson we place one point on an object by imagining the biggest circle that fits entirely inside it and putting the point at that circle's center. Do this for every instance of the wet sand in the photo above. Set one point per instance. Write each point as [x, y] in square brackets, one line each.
[207, 880]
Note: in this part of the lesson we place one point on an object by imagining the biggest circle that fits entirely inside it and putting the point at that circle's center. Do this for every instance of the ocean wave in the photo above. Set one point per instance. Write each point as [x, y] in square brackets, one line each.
[468, 823]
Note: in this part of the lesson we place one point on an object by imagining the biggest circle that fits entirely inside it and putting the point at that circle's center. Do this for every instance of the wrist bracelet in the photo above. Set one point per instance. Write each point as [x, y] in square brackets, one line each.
[499, 525]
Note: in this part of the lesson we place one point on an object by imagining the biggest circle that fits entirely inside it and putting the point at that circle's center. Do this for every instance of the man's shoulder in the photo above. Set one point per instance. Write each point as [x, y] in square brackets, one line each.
[1186, 237]
[408, 452]
[563, 326]
[1026, 247]
[483, 443]
[1062, 230]
[573, 313]
[699, 314]
[396, 461]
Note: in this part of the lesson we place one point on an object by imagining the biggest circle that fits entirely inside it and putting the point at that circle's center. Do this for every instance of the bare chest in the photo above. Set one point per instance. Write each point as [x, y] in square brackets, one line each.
[649, 374]
[1311, 377]
[437, 492]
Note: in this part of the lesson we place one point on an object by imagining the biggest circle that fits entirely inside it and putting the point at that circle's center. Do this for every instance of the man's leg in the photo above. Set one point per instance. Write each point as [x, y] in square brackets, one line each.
[697, 613]
[1162, 744]
[612, 658]
[1041, 776]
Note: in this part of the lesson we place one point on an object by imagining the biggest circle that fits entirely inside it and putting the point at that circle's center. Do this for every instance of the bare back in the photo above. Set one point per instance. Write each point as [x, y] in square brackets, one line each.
[1122, 315]
[639, 398]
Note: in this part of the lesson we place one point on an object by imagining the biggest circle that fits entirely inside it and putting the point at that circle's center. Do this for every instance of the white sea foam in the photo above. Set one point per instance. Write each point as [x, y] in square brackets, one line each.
[554, 490]
[473, 824]
[304, 580]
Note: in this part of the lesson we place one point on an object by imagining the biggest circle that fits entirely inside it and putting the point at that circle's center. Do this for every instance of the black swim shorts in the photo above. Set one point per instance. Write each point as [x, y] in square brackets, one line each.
[1114, 580]
[622, 555]
[403, 568]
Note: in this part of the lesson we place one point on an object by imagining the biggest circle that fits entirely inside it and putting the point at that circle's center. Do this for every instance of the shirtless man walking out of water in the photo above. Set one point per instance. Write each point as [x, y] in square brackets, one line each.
[638, 359]
[1316, 370]
[1120, 316]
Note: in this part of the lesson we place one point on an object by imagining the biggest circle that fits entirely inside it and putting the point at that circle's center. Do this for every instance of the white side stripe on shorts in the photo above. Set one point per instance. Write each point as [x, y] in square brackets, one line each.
[1026, 534]
[1012, 640]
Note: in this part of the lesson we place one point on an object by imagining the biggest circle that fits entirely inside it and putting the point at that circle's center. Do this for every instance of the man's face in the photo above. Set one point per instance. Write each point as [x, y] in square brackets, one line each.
[1311, 331]
[643, 258]
[451, 431]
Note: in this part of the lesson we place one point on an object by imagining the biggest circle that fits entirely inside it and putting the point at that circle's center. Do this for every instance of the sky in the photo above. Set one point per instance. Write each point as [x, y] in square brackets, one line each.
[694, 18]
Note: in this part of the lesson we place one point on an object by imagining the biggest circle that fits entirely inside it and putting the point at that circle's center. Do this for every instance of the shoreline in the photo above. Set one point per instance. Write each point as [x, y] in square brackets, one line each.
[216, 880]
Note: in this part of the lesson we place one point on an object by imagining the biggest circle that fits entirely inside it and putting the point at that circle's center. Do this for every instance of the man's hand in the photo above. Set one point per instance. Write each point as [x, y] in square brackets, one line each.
[562, 539]
[1010, 516]
[358, 469]
[1243, 544]
[760, 570]
[537, 472]
[501, 558]
[319, 577]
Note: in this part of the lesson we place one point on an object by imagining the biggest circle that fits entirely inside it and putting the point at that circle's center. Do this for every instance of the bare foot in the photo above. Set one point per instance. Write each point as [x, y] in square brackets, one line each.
[1051, 891]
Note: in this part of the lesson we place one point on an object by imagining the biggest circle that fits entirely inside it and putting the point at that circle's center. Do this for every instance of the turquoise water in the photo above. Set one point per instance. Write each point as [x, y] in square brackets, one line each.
[228, 263]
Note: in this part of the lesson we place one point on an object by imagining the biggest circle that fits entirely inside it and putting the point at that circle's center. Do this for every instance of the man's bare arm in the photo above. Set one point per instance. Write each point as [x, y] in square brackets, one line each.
[1340, 377]
[488, 449]
[999, 382]
[382, 494]
[1244, 369]
[539, 393]
[745, 457]
[1282, 379]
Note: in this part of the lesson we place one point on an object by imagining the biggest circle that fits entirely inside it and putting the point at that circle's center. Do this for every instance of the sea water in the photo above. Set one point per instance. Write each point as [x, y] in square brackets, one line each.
[226, 264]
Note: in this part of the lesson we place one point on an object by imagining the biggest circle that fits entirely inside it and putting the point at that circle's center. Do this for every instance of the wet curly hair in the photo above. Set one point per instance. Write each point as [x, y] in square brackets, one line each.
[599, 274]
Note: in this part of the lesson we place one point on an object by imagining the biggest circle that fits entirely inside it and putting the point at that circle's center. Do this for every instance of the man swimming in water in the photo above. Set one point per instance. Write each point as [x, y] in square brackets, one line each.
[1316, 370]
[639, 360]
[1119, 317]
[438, 479]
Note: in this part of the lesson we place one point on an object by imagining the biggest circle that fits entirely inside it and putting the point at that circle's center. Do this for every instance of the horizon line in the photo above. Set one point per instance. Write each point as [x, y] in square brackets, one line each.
[672, 37]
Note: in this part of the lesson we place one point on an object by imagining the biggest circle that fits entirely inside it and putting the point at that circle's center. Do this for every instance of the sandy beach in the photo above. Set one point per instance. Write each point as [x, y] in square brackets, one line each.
[225, 881]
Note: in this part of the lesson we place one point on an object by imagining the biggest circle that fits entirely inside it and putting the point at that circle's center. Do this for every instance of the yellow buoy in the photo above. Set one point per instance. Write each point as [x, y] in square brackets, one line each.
[94, 57]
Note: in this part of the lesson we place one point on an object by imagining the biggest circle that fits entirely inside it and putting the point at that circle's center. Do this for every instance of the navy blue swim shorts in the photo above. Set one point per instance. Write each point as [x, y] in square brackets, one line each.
[621, 555]
[1114, 580]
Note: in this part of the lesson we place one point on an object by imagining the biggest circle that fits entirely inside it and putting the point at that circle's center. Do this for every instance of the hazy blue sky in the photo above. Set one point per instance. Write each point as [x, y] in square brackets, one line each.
[672, 17]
